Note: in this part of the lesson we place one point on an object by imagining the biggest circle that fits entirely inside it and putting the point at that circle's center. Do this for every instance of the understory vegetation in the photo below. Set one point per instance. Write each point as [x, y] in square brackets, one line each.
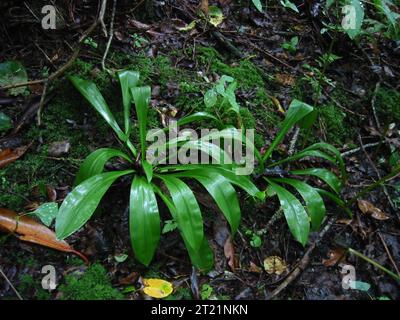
[324, 104]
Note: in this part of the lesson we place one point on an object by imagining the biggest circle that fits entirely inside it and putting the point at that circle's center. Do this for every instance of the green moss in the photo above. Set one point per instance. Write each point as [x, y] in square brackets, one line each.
[388, 105]
[28, 286]
[333, 121]
[94, 284]
[245, 72]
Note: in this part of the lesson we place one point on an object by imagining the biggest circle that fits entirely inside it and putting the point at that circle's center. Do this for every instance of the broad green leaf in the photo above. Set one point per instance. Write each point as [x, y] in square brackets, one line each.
[128, 79]
[241, 181]
[81, 202]
[231, 97]
[382, 6]
[210, 98]
[328, 147]
[290, 5]
[144, 220]
[353, 19]
[197, 116]
[296, 217]
[141, 97]
[148, 170]
[330, 178]
[297, 111]
[303, 154]
[13, 72]
[314, 203]
[222, 192]
[188, 214]
[257, 4]
[5, 122]
[95, 162]
[89, 90]
[203, 258]
[47, 212]
[329, 3]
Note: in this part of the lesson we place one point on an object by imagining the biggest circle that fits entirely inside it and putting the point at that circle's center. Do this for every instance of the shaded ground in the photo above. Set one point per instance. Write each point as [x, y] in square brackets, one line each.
[181, 66]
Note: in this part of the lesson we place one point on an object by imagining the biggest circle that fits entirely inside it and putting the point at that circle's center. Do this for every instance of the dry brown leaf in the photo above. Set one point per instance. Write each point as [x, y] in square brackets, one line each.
[367, 207]
[254, 268]
[8, 156]
[274, 264]
[129, 279]
[285, 79]
[28, 229]
[229, 251]
[138, 25]
[344, 221]
[335, 256]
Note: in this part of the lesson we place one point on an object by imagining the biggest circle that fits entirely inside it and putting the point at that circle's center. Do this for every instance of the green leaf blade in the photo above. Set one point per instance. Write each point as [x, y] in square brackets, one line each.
[144, 220]
[188, 214]
[95, 162]
[296, 217]
[80, 204]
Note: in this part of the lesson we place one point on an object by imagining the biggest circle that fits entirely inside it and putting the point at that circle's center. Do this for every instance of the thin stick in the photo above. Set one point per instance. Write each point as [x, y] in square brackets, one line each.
[355, 150]
[377, 86]
[111, 34]
[388, 253]
[11, 285]
[303, 262]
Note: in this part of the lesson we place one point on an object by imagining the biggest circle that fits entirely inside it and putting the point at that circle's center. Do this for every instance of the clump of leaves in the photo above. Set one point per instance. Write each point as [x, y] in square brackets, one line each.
[221, 99]
[291, 45]
[301, 218]
[13, 72]
[149, 177]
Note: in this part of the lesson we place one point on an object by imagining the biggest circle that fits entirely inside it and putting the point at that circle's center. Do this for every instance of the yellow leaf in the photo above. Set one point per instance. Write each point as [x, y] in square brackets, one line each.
[277, 104]
[274, 264]
[157, 288]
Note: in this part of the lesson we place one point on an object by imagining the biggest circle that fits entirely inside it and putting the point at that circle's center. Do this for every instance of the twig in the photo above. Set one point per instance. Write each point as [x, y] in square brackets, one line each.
[11, 285]
[378, 84]
[355, 150]
[293, 142]
[388, 253]
[58, 72]
[385, 191]
[111, 34]
[303, 262]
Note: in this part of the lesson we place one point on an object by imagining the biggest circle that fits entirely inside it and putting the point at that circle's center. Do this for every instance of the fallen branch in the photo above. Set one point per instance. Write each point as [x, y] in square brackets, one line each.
[71, 60]
[11, 285]
[111, 34]
[302, 265]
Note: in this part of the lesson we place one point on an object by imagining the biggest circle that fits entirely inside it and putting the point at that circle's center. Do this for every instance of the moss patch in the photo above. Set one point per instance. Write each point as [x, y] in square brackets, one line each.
[388, 105]
[94, 284]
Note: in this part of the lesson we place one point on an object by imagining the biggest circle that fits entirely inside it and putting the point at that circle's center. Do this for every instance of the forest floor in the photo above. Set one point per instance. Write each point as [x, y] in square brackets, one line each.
[351, 94]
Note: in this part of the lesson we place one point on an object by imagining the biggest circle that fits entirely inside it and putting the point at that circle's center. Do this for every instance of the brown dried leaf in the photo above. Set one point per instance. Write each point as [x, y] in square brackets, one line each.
[285, 79]
[229, 251]
[254, 268]
[138, 25]
[28, 229]
[367, 207]
[8, 156]
[274, 264]
[335, 256]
